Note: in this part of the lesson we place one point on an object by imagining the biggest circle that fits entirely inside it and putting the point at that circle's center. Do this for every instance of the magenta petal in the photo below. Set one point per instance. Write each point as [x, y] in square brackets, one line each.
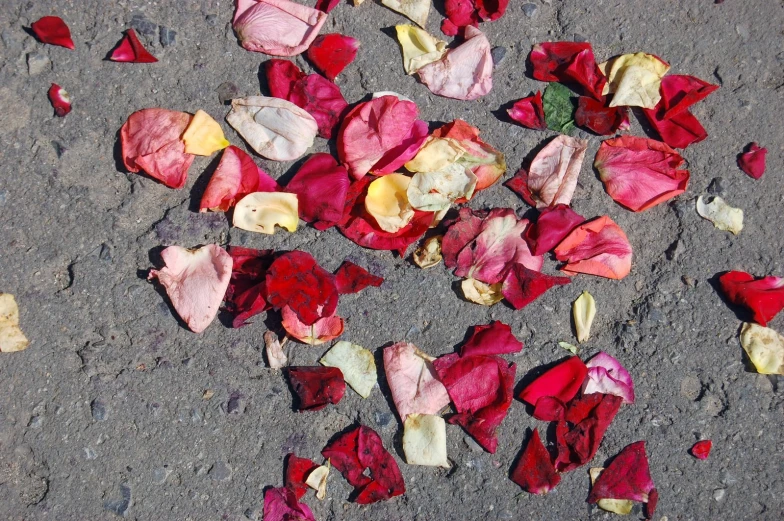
[405, 151]
[522, 286]
[495, 338]
[321, 185]
[280, 504]
[529, 112]
[553, 224]
[606, 375]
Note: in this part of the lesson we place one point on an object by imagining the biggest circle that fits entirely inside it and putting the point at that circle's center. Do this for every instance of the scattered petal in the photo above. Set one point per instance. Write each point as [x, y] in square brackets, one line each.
[635, 79]
[317, 480]
[424, 440]
[463, 13]
[626, 477]
[236, 176]
[562, 381]
[131, 50]
[331, 53]
[280, 504]
[321, 331]
[357, 365]
[701, 449]
[387, 202]
[415, 10]
[579, 433]
[321, 185]
[412, 381]
[54, 31]
[679, 92]
[522, 286]
[723, 216]
[583, 313]
[598, 117]
[276, 27]
[429, 254]
[679, 131]
[61, 101]
[419, 47]
[436, 191]
[752, 162]
[297, 471]
[559, 108]
[529, 112]
[408, 148]
[351, 278]
[261, 211]
[552, 226]
[316, 387]
[196, 281]
[568, 62]
[534, 471]
[435, 154]
[275, 128]
[480, 293]
[606, 375]
[11, 337]
[763, 297]
[204, 136]
[275, 356]
[296, 281]
[552, 176]
[246, 294]
[764, 347]
[598, 247]
[326, 6]
[616, 506]
[487, 163]
[495, 338]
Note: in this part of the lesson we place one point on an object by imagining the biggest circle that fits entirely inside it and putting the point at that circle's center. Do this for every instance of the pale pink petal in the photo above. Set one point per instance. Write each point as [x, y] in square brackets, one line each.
[412, 381]
[276, 27]
[553, 174]
[606, 375]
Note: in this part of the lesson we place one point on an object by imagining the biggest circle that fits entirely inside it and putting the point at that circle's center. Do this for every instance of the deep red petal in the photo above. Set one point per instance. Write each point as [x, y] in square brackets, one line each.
[351, 278]
[459, 14]
[326, 5]
[764, 297]
[321, 185]
[60, 100]
[561, 381]
[131, 50]
[529, 112]
[568, 62]
[295, 279]
[54, 31]
[752, 162]
[522, 286]
[246, 294]
[282, 75]
[519, 185]
[553, 224]
[626, 477]
[316, 387]
[596, 116]
[679, 92]
[579, 436]
[679, 130]
[331, 53]
[701, 449]
[549, 409]
[534, 471]
[495, 338]
[297, 470]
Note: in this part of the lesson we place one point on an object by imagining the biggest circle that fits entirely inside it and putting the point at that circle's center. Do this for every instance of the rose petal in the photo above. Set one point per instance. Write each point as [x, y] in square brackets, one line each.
[331, 53]
[463, 13]
[275, 356]
[280, 504]
[436, 191]
[635, 79]
[598, 247]
[616, 506]
[412, 381]
[487, 163]
[596, 116]
[701, 449]
[529, 112]
[236, 176]
[552, 176]
[204, 136]
[606, 375]
[416, 10]
[679, 92]
[350, 278]
[429, 254]
[317, 480]
[261, 211]
[481, 293]
[580, 433]
[680, 130]
[418, 47]
[626, 477]
[387, 202]
[356, 363]
[397, 156]
[316, 387]
[752, 162]
[534, 471]
[553, 224]
[326, 6]
[11, 337]
[763, 297]
[321, 186]
[321, 331]
[495, 338]
[296, 281]
[522, 286]
[61, 101]
[54, 31]
[129, 49]
[561, 381]
[723, 216]
[196, 281]
[246, 294]
[764, 347]
[297, 470]
[424, 440]
[568, 62]
[276, 27]
[583, 313]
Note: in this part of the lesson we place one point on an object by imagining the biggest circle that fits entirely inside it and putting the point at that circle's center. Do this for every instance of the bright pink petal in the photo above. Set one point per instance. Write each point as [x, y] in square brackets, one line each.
[495, 338]
[678, 131]
[606, 375]
[568, 62]
[701, 449]
[626, 477]
[579, 434]
[316, 387]
[276, 27]
[598, 247]
[764, 297]
[61, 101]
[752, 162]
[280, 504]
[331, 53]
[598, 117]
[150, 141]
[552, 176]
[521, 285]
[553, 224]
[326, 5]
[52, 30]
[490, 163]
[679, 92]
[396, 157]
[413, 381]
[131, 50]
[459, 14]
[236, 176]
[196, 281]
[321, 185]
[351, 278]
[561, 381]
[529, 112]
[534, 471]
[296, 281]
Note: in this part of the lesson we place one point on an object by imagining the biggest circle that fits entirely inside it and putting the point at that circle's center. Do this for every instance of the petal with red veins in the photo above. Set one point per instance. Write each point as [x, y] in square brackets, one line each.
[485, 162]
[626, 477]
[529, 112]
[316, 387]
[61, 101]
[296, 281]
[276, 27]
[495, 338]
[679, 92]
[597, 117]
[246, 294]
[413, 381]
[196, 281]
[150, 141]
[701, 449]
[236, 176]
[321, 185]
[331, 53]
[297, 470]
[351, 278]
[598, 247]
[321, 331]
[552, 176]
[131, 50]
[465, 72]
[678, 131]
[521, 285]
[280, 504]
[561, 381]
[553, 224]
[568, 62]
[534, 471]
[752, 162]
[606, 375]
[54, 31]
[579, 435]
[764, 297]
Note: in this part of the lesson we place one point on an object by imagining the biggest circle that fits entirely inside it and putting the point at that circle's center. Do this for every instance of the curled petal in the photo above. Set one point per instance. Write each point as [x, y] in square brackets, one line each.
[723, 216]
[465, 72]
[413, 381]
[317, 480]
[246, 294]
[296, 281]
[11, 337]
[280, 504]
[701, 449]
[261, 211]
[480, 293]
[326, 6]
[495, 338]
[276, 358]
[61, 101]
[596, 116]
[331, 53]
[580, 433]
[276, 27]
[387, 202]
[534, 471]
[204, 135]
[487, 163]
[752, 162]
[598, 247]
[351, 278]
[424, 440]
[626, 477]
[521, 285]
[568, 62]
[552, 177]
[463, 13]
[321, 186]
[416, 10]
[321, 331]
[52, 30]
[131, 50]
[236, 176]
[561, 382]
[606, 375]
[418, 47]
[529, 112]
[553, 224]
[763, 297]
[316, 387]
[634, 79]
[679, 92]
[764, 347]
[429, 254]
[396, 157]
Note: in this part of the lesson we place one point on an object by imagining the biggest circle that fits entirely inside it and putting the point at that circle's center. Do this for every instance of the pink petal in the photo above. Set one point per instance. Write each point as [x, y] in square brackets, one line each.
[413, 381]
[321, 185]
[52, 30]
[752, 162]
[606, 375]
[236, 176]
[131, 50]
[495, 338]
[405, 151]
[598, 247]
[331, 53]
[276, 27]
[280, 504]
[626, 477]
[552, 176]
[561, 381]
[534, 471]
[553, 224]
[196, 281]
[529, 112]
[522, 286]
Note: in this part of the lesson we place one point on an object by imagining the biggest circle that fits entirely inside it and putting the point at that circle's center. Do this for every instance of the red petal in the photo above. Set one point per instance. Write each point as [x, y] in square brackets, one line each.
[679, 92]
[522, 286]
[701, 449]
[568, 62]
[246, 294]
[763, 297]
[322, 330]
[297, 470]
[752, 162]
[598, 117]
[468, 136]
[561, 381]
[680, 130]
[150, 141]
[529, 112]
[131, 50]
[650, 506]
[489, 10]
[495, 338]
[534, 471]
[549, 409]
[589, 417]
[321, 185]
[326, 5]
[626, 477]
[459, 14]
[553, 224]
[361, 449]
[295, 280]
[351, 278]
[280, 504]
[405, 151]
[640, 173]
[236, 176]
[316, 386]
[52, 30]
[282, 75]
[331, 53]
[519, 185]
[61, 101]
[598, 247]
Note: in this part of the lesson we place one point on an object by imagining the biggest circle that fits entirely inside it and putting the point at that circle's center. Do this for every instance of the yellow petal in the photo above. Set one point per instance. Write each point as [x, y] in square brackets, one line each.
[11, 337]
[429, 254]
[388, 203]
[424, 440]
[317, 480]
[358, 2]
[765, 348]
[416, 10]
[435, 154]
[635, 79]
[436, 191]
[419, 47]
[616, 506]
[583, 311]
[481, 293]
[356, 363]
[261, 211]
[204, 135]
[723, 216]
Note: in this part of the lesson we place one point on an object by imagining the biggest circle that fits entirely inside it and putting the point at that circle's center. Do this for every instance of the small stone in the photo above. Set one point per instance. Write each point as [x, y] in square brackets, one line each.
[3, 197]
[206, 395]
[498, 54]
[530, 10]
[106, 252]
[473, 445]
[235, 405]
[382, 419]
[227, 91]
[98, 409]
[579, 38]
[716, 186]
[160, 474]
[142, 25]
[719, 493]
[166, 36]
[37, 63]
[691, 387]
[254, 514]
[89, 453]
[35, 422]
[120, 506]
[211, 19]
[221, 471]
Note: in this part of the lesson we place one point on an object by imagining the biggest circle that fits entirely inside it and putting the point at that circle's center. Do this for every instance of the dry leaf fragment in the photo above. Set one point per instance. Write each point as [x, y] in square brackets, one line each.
[357, 365]
[723, 216]
[275, 356]
[429, 254]
[480, 293]
[11, 337]
[261, 211]
[583, 311]
[317, 480]
[765, 348]
[616, 506]
[424, 440]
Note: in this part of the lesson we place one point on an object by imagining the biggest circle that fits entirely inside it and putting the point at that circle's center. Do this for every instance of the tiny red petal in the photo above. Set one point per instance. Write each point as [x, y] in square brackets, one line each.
[131, 50]
[331, 53]
[60, 99]
[701, 449]
[351, 278]
[52, 30]
[763, 297]
[752, 162]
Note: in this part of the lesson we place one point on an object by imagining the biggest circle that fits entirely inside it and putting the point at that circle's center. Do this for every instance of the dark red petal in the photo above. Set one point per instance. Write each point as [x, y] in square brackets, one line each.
[295, 279]
[549, 409]
[752, 162]
[61, 101]
[568, 62]
[653, 501]
[586, 420]
[522, 286]
[321, 185]
[763, 297]
[534, 471]
[529, 112]
[495, 338]
[282, 75]
[489, 10]
[297, 470]
[679, 92]
[246, 294]
[598, 117]
[459, 14]
[52, 30]
[701, 449]
[626, 477]
[331, 53]
[678, 131]
[326, 5]
[131, 50]
[584, 71]
[562, 382]
[316, 387]
[553, 224]
[351, 278]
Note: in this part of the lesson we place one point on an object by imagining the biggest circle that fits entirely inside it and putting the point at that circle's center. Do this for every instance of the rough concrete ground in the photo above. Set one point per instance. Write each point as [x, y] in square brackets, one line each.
[104, 413]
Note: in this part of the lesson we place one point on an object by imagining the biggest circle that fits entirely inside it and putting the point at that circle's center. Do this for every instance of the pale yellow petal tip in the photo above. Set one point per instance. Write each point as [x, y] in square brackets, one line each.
[317, 480]
[480, 293]
[204, 136]
[429, 254]
[583, 312]
[764, 347]
[357, 365]
[723, 216]
[11, 337]
[616, 506]
[261, 211]
[424, 440]
[415, 10]
[387, 202]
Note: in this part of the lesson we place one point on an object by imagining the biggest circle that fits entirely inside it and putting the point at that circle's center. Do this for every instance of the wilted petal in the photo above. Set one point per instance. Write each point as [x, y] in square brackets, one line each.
[480, 293]
[131, 50]
[621, 507]
[261, 211]
[522, 286]
[280, 504]
[316, 387]
[561, 381]
[485, 162]
[529, 112]
[52, 30]
[297, 471]
[317, 480]
[61, 101]
[236, 176]
[580, 432]
[596, 116]
[678, 131]
[246, 294]
[534, 471]
[436, 154]
[626, 477]
[583, 313]
[723, 216]
[424, 440]
[436, 191]
[495, 338]
[204, 135]
[553, 224]
[765, 348]
[275, 356]
[295, 280]
[196, 281]
[350, 278]
[416, 10]
[320, 185]
[568, 62]
[763, 297]
[752, 162]
[387, 202]
[321, 331]
[429, 254]
[276, 27]
[552, 176]
[598, 247]
[356, 363]
[11, 337]
[465, 72]
[419, 47]
[635, 79]
[606, 375]
[679, 92]
[331, 53]
[412, 381]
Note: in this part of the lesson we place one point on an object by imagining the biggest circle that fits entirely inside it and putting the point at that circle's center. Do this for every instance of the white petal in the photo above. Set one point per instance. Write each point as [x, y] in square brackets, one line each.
[424, 440]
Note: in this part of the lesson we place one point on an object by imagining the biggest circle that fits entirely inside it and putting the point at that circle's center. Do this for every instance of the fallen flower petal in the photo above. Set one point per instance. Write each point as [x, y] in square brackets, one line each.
[275, 128]
[363, 230]
[131, 50]
[54, 31]
[596, 116]
[552, 176]
[196, 281]
[276, 27]
[150, 141]
[598, 247]
[626, 477]
[356, 363]
[635, 79]
[465, 72]
[568, 62]
[280, 504]
[295, 280]
[549, 409]
[413, 381]
[61, 101]
[297, 470]
[387, 202]
[764, 347]
[606, 375]
[559, 108]
[583, 313]
[580, 433]
[204, 135]
[321, 185]
[495, 338]
[276, 358]
[246, 294]
[616, 506]
[680, 130]
[529, 112]
[424, 440]
[261, 211]
[679, 92]
[316, 387]
[701, 449]
[429, 254]
[534, 471]
[752, 162]
[763, 297]
[282, 75]
[236, 176]
[317, 480]
[321, 331]
[481, 293]
[487, 163]
[399, 155]
[350, 278]
[11, 337]
[331, 53]
[418, 47]
[553, 224]
[521, 285]
[561, 381]
[415, 10]
[436, 191]
[723, 216]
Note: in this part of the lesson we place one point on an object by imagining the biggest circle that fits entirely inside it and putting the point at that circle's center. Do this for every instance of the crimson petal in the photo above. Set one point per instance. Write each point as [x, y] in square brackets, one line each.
[598, 117]
[626, 477]
[326, 5]
[679, 92]
[321, 185]
[246, 294]
[529, 112]
[763, 297]
[295, 279]
[579, 435]
[316, 387]
[297, 470]
[54, 31]
[331, 53]
[752, 162]
[561, 381]
[568, 62]
[495, 338]
[534, 471]
[522, 286]
[553, 224]
[61, 101]
[351, 278]
[131, 50]
[701, 449]
[679, 130]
